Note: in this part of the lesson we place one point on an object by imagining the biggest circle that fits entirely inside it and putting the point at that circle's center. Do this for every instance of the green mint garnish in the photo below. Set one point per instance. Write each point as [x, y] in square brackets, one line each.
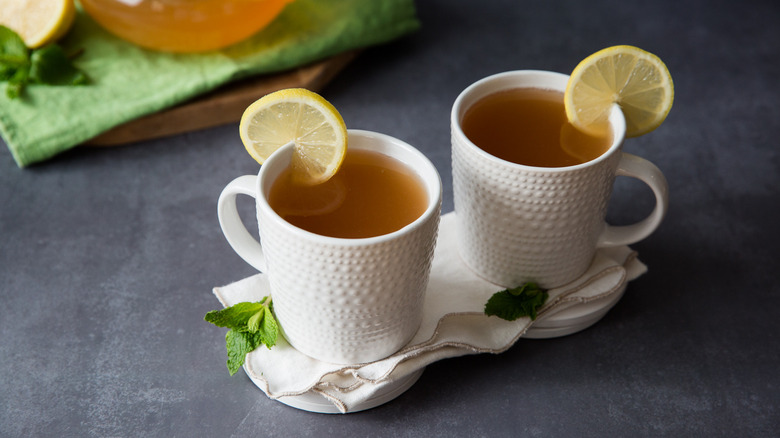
[511, 304]
[250, 324]
[50, 65]
[20, 66]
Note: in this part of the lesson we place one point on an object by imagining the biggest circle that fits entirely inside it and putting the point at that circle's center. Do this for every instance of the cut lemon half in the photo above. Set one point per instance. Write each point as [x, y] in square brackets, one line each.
[628, 76]
[303, 117]
[38, 22]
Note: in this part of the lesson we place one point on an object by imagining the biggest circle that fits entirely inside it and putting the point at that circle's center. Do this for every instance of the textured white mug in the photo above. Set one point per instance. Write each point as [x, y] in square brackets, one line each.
[518, 223]
[340, 300]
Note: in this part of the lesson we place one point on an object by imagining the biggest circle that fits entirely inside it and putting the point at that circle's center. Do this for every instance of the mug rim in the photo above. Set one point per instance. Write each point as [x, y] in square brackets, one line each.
[508, 80]
[422, 167]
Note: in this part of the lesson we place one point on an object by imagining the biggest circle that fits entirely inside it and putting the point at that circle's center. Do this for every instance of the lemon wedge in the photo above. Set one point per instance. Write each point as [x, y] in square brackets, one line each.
[628, 76]
[303, 117]
[38, 22]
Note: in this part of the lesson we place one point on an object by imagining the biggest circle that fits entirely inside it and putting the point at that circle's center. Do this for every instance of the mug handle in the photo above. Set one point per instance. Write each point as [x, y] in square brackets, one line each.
[642, 169]
[242, 242]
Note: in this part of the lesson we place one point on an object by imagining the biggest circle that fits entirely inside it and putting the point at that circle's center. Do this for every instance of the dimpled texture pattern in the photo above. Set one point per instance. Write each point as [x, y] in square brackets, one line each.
[347, 300]
[518, 224]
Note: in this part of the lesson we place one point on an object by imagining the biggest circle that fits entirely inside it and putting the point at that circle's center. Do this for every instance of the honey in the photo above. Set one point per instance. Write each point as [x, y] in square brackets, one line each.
[183, 25]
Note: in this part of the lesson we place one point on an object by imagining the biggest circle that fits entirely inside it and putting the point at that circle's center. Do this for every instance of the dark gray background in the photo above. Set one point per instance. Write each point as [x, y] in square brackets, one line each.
[108, 256]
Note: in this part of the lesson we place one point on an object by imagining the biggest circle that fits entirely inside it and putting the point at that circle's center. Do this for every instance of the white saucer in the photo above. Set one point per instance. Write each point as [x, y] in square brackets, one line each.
[573, 319]
[314, 402]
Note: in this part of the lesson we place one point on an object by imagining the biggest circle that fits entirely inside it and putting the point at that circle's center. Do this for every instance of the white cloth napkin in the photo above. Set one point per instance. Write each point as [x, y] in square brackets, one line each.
[453, 325]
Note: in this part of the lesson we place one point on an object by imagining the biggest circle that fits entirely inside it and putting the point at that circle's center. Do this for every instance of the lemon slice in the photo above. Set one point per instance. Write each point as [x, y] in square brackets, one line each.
[38, 22]
[301, 116]
[636, 80]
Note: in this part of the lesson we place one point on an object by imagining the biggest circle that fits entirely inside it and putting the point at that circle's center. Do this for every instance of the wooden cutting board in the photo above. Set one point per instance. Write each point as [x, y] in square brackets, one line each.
[222, 106]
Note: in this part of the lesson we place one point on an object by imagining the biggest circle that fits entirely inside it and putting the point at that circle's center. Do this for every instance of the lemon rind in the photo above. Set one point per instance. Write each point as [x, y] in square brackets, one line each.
[262, 137]
[597, 88]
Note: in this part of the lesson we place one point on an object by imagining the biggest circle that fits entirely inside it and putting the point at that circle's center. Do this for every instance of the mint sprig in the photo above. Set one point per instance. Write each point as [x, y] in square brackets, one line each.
[250, 324]
[20, 66]
[511, 304]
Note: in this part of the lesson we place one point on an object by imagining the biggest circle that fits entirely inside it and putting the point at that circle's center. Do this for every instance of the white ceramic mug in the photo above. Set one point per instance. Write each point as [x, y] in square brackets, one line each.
[340, 300]
[518, 223]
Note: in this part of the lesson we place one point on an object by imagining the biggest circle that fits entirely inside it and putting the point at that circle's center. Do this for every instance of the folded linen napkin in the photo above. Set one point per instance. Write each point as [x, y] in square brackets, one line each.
[128, 82]
[453, 325]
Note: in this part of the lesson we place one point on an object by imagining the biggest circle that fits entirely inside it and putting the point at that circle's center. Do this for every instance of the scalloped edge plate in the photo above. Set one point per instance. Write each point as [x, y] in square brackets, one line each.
[314, 402]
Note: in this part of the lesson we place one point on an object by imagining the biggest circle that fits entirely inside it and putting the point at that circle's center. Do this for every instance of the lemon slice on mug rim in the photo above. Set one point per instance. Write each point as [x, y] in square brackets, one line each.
[301, 116]
[636, 80]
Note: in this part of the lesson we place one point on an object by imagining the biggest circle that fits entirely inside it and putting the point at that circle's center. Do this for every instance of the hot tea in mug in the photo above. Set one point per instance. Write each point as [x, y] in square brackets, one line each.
[347, 276]
[372, 194]
[530, 190]
[529, 126]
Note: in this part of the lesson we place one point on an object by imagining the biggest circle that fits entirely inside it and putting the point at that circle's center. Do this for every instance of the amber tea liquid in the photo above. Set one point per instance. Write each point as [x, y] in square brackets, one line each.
[371, 194]
[529, 126]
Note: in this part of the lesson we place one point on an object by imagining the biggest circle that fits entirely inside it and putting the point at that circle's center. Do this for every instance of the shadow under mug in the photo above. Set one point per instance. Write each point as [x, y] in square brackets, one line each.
[340, 300]
[518, 223]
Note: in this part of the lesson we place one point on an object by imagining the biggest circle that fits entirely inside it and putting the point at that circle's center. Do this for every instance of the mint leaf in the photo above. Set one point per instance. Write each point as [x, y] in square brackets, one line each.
[16, 83]
[269, 330]
[14, 61]
[511, 304]
[50, 65]
[251, 325]
[239, 344]
[12, 48]
[236, 316]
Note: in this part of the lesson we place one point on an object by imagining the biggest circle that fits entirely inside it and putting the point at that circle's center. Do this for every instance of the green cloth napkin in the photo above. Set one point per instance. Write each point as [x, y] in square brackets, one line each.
[128, 82]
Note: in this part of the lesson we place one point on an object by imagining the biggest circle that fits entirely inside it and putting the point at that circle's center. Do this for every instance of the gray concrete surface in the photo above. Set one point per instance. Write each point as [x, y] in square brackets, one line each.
[108, 256]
